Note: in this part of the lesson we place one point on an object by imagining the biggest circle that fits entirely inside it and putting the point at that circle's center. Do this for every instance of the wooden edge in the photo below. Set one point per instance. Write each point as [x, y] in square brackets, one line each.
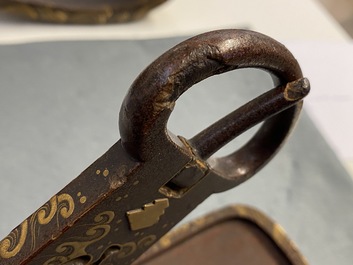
[243, 212]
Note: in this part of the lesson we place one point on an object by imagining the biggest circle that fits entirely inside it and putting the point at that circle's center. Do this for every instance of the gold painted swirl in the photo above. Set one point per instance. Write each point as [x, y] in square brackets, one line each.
[75, 249]
[12, 244]
[42, 214]
[59, 205]
[62, 205]
[129, 248]
[126, 250]
[66, 205]
[146, 241]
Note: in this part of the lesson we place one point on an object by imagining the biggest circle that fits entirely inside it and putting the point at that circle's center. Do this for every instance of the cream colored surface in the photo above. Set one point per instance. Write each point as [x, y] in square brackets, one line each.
[281, 19]
[330, 102]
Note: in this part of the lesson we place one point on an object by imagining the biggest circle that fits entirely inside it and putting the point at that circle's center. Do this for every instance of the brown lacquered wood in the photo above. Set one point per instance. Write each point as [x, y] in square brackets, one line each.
[80, 11]
[237, 235]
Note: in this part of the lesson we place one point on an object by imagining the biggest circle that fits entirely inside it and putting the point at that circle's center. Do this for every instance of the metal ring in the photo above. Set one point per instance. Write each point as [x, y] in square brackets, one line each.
[151, 98]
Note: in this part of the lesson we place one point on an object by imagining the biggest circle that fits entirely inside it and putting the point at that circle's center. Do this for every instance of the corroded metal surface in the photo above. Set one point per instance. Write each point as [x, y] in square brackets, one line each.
[152, 174]
[80, 11]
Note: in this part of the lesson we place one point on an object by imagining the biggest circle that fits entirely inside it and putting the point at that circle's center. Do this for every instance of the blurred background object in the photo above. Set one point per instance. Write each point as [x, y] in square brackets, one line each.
[281, 19]
[342, 11]
[80, 11]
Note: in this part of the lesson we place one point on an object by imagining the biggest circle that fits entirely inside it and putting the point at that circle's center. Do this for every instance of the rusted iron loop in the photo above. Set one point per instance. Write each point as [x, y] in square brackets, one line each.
[151, 98]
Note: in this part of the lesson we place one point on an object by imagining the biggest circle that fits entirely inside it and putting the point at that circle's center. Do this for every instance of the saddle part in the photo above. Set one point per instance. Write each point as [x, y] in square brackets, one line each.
[150, 179]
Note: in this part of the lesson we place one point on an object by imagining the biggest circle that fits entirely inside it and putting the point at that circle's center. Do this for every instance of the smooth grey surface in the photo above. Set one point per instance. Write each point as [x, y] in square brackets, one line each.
[59, 104]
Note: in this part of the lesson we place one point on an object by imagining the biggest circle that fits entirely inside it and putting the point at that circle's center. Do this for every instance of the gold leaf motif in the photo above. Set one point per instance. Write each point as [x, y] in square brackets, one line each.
[12, 244]
[126, 250]
[62, 204]
[66, 205]
[146, 241]
[76, 249]
[148, 215]
[41, 213]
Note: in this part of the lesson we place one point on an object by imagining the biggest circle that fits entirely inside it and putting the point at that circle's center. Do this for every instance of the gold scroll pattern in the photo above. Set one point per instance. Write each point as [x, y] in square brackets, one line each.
[59, 205]
[12, 244]
[74, 249]
[128, 249]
